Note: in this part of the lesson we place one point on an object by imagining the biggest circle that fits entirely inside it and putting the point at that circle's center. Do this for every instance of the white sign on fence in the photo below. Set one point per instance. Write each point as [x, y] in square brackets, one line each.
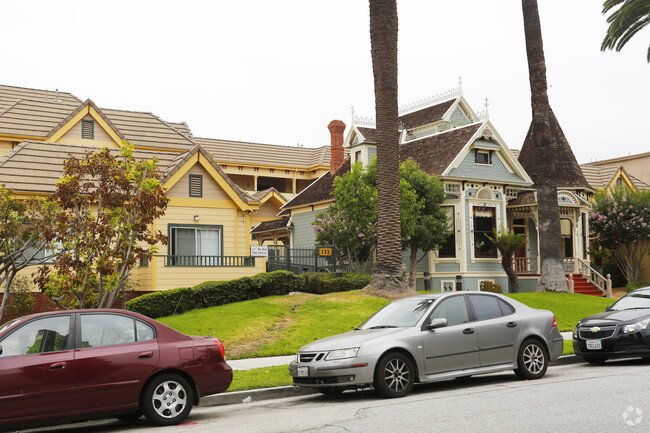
[260, 252]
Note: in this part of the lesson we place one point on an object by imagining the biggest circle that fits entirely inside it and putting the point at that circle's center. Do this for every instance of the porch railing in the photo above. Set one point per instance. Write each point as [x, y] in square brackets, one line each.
[208, 261]
[602, 283]
[526, 265]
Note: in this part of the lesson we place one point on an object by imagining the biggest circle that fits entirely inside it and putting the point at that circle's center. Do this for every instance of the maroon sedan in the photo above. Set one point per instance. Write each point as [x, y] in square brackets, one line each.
[82, 364]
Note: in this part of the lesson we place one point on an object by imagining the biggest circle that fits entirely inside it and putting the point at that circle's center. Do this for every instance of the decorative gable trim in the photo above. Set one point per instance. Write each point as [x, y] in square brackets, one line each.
[86, 109]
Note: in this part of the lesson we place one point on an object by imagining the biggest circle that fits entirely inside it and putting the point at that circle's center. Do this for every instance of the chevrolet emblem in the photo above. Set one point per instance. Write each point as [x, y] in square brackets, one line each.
[595, 329]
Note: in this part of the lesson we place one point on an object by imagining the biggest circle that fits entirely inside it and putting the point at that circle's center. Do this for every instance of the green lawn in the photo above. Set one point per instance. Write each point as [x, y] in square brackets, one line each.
[280, 325]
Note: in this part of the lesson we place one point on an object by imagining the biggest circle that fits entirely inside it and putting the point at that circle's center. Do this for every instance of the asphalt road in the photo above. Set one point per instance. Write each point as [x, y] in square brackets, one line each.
[570, 398]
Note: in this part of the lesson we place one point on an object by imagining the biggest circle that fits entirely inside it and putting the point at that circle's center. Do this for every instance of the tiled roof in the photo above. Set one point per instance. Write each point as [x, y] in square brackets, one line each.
[426, 115]
[269, 226]
[259, 195]
[10, 94]
[34, 118]
[147, 130]
[436, 152]
[601, 177]
[37, 166]
[370, 134]
[226, 151]
[557, 160]
[320, 190]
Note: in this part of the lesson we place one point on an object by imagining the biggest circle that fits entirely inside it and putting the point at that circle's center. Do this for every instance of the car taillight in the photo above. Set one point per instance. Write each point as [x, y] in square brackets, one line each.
[220, 346]
[554, 322]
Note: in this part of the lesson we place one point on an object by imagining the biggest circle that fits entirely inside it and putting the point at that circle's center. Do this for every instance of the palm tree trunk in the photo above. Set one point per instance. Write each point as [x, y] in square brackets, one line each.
[389, 272]
[539, 139]
[513, 281]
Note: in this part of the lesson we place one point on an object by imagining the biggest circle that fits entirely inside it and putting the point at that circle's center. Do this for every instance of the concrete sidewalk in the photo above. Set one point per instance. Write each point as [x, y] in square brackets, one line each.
[252, 395]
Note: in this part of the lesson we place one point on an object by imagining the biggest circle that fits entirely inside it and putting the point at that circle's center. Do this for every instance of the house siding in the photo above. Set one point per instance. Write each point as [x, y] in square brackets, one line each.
[304, 235]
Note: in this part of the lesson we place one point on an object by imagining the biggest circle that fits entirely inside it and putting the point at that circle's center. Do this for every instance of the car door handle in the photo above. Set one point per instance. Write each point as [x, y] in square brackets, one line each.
[144, 355]
[57, 366]
[512, 324]
[468, 331]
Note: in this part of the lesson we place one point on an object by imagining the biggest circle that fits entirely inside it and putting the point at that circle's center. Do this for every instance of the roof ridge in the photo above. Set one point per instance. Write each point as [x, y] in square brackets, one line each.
[10, 106]
[40, 90]
[174, 129]
[261, 144]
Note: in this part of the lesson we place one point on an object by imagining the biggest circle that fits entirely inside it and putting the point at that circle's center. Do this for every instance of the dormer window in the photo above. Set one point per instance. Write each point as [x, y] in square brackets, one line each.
[88, 129]
[483, 157]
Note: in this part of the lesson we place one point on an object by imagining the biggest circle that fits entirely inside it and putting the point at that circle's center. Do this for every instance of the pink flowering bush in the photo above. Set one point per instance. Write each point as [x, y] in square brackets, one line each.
[620, 221]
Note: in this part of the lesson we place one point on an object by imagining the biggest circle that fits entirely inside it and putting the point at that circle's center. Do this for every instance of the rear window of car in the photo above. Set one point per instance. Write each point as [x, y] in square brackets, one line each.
[489, 307]
[98, 330]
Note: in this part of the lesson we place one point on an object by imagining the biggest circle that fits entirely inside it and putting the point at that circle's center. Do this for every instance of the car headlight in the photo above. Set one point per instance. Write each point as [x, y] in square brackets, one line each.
[635, 327]
[575, 333]
[342, 353]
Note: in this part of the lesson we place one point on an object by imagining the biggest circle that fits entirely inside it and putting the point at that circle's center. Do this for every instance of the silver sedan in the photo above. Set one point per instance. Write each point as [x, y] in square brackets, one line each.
[427, 338]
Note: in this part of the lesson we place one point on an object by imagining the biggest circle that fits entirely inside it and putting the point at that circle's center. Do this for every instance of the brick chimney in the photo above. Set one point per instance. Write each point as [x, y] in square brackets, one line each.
[337, 158]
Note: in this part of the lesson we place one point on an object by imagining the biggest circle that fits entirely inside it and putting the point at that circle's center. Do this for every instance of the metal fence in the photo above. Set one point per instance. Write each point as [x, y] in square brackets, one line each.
[300, 260]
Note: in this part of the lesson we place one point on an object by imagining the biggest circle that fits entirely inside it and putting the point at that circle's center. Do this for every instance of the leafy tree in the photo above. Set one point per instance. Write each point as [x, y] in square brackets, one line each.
[108, 204]
[546, 156]
[626, 21]
[25, 232]
[388, 273]
[424, 222]
[351, 224]
[620, 221]
[507, 242]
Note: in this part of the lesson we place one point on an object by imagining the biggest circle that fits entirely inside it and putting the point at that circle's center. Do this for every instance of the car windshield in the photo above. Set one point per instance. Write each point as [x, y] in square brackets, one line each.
[398, 314]
[633, 300]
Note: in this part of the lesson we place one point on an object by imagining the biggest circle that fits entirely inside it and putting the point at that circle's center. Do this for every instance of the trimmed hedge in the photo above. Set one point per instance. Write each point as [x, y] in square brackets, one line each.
[322, 283]
[213, 293]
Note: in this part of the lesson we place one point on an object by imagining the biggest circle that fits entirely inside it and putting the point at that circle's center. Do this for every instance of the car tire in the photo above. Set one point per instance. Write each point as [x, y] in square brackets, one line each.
[595, 359]
[394, 375]
[167, 399]
[331, 391]
[532, 360]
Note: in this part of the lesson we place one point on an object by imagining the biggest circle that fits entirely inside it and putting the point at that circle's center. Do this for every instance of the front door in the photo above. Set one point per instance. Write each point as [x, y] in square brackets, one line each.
[455, 346]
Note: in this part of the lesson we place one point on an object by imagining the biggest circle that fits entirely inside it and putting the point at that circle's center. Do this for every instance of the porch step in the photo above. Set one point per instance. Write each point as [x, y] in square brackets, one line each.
[583, 286]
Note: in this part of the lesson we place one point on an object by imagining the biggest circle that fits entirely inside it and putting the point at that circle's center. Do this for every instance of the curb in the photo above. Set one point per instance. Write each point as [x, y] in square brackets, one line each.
[252, 395]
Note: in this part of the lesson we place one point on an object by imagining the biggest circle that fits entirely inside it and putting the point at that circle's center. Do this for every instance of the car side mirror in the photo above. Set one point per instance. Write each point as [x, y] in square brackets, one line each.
[437, 323]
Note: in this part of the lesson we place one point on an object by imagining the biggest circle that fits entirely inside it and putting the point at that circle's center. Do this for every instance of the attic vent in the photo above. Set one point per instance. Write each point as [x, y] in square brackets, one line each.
[196, 185]
[88, 129]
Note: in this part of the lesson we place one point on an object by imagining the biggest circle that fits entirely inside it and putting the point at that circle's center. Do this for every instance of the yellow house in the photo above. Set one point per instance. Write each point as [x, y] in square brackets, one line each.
[219, 190]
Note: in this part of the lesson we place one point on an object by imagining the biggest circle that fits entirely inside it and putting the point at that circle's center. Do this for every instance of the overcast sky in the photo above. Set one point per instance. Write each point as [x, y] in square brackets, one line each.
[278, 72]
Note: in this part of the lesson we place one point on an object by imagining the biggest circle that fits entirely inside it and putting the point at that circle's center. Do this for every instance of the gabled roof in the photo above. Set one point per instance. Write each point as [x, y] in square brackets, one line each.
[428, 115]
[11, 94]
[319, 191]
[44, 119]
[86, 108]
[603, 177]
[238, 152]
[266, 194]
[436, 152]
[183, 162]
[35, 167]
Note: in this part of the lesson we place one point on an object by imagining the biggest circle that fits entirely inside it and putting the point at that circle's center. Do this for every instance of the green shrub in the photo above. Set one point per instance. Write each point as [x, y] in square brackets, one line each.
[21, 299]
[490, 286]
[322, 283]
[618, 280]
[214, 293]
[636, 285]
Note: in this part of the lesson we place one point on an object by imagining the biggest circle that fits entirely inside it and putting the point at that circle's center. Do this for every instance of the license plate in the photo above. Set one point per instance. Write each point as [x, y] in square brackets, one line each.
[594, 345]
[303, 371]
